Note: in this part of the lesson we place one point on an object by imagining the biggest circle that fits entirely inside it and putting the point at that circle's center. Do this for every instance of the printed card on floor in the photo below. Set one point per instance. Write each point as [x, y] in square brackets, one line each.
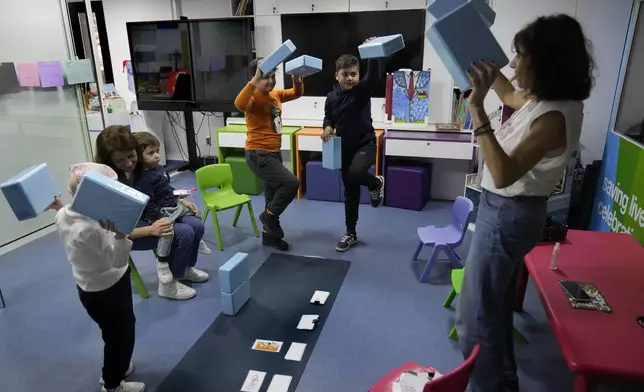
[279, 383]
[320, 297]
[295, 352]
[253, 381]
[308, 321]
[267, 345]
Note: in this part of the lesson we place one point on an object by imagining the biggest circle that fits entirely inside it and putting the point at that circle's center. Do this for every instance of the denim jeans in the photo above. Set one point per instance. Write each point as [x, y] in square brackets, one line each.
[188, 232]
[165, 242]
[507, 228]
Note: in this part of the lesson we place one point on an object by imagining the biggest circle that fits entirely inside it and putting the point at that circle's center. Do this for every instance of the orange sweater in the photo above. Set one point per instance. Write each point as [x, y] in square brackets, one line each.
[264, 115]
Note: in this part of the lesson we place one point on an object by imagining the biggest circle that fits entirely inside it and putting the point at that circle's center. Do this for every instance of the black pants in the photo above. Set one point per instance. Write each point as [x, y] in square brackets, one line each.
[355, 173]
[280, 184]
[112, 310]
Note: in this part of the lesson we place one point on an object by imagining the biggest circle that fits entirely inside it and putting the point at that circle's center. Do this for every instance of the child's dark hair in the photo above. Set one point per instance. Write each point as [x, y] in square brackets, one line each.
[559, 64]
[346, 61]
[145, 140]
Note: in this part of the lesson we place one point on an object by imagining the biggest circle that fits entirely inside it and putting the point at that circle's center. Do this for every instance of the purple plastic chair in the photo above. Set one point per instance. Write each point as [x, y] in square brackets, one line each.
[446, 238]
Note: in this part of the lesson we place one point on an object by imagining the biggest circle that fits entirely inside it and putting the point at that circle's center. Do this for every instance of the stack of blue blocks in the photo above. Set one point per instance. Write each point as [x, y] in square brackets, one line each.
[31, 191]
[234, 280]
[462, 36]
[117, 203]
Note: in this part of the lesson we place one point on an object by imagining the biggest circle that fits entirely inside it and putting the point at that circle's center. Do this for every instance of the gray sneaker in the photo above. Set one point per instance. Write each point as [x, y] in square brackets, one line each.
[346, 242]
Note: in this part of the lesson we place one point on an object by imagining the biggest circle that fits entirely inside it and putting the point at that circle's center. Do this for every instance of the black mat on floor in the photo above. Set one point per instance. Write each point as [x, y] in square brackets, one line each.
[280, 293]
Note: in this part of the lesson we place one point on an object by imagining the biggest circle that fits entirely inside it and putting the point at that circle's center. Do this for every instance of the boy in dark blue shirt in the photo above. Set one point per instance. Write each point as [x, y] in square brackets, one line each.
[150, 178]
[347, 114]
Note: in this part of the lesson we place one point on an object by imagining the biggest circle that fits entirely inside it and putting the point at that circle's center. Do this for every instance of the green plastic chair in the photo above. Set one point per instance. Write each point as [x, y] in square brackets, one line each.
[221, 175]
[136, 279]
[457, 283]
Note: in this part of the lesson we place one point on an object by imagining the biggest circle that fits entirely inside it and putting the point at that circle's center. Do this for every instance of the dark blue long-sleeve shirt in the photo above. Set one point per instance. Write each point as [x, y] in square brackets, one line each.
[349, 111]
[156, 185]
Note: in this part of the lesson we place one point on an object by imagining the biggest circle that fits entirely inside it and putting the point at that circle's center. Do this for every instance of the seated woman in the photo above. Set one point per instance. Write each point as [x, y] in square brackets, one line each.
[116, 147]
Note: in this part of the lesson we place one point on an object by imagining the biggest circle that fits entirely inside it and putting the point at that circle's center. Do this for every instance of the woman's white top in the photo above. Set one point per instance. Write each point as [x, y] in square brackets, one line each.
[98, 259]
[542, 179]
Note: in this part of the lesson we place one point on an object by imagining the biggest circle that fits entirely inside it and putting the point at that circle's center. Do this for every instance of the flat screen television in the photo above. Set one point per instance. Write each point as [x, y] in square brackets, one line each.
[327, 36]
[199, 64]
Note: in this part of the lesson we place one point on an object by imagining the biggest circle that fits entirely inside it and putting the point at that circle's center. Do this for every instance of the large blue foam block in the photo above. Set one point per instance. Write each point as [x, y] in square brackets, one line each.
[462, 37]
[303, 66]
[102, 198]
[332, 153]
[233, 273]
[31, 191]
[279, 55]
[440, 8]
[232, 303]
[382, 47]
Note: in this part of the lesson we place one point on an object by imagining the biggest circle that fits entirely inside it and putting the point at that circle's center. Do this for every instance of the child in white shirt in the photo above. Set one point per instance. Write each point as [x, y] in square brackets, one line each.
[99, 258]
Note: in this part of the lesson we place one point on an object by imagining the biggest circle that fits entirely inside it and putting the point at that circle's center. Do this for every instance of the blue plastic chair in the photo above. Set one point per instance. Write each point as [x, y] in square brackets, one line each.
[446, 238]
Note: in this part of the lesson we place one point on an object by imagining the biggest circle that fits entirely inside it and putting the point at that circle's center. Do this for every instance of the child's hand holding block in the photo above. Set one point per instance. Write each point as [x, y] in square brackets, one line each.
[102, 198]
[440, 8]
[278, 56]
[332, 153]
[462, 37]
[382, 47]
[31, 191]
[303, 66]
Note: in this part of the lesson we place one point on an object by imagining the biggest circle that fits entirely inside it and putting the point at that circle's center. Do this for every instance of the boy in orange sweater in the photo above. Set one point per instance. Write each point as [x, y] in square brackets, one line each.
[263, 109]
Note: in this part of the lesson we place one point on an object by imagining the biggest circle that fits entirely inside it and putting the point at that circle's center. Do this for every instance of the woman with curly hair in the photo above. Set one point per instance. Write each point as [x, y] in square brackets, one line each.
[524, 161]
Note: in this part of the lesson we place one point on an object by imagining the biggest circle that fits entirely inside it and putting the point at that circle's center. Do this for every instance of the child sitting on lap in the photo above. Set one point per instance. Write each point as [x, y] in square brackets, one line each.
[150, 179]
[99, 257]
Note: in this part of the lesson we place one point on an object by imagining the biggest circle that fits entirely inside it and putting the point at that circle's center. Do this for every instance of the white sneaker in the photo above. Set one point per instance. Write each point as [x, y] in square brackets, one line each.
[195, 275]
[127, 387]
[204, 249]
[164, 273]
[176, 290]
[127, 373]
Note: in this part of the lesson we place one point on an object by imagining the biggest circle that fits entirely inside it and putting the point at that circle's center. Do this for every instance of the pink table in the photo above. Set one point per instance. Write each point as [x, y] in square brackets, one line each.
[595, 344]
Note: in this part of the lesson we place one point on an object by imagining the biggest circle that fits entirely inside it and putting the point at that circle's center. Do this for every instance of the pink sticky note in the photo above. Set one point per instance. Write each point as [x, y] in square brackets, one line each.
[28, 75]
[51, 73]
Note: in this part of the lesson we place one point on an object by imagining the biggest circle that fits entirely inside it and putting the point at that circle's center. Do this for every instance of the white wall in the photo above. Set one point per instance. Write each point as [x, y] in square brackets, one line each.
[604, 25]
[37, 125]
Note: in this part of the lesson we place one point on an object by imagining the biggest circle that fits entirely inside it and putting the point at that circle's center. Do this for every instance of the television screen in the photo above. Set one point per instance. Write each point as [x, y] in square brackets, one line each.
[327, 36]
[158, 51]
[222, 51]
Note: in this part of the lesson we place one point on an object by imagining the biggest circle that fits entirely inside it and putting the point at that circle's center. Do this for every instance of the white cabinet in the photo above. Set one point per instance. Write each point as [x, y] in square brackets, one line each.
[304, 108]
[276, 7]
[384, 5]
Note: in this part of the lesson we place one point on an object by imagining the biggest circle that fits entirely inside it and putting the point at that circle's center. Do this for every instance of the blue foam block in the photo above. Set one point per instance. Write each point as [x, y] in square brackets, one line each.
[303, 66]
[440, 8]
[31, 191]
[278, 56]
[233, 273]
[332, 153]
[458, 48]
[382, 47]
[102, 198]
[232, 303]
